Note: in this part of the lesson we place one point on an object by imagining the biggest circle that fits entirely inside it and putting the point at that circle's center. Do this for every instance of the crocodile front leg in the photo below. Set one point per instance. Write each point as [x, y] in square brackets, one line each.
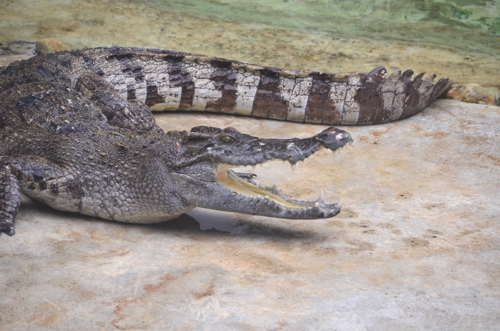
[39, 179]
[9, 199]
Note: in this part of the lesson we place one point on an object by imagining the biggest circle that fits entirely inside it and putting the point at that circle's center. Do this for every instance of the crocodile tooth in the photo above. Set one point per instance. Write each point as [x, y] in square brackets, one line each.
[293, 166]
[321, 198]
[275, 189]
[316, 204]
[336, 152]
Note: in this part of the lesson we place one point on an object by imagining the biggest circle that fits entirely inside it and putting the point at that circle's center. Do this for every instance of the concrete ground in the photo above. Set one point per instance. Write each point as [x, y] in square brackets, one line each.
[416, 246]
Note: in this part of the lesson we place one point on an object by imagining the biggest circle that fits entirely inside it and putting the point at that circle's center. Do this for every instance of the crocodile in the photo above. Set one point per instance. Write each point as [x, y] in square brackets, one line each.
[78, 134]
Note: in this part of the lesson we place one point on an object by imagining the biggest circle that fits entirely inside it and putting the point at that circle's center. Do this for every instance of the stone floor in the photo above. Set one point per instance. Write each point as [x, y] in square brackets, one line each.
[415, 247]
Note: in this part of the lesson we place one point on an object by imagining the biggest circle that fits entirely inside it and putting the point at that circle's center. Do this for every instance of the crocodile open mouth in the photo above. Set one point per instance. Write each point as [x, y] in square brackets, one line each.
[226, 151]
[243, 183]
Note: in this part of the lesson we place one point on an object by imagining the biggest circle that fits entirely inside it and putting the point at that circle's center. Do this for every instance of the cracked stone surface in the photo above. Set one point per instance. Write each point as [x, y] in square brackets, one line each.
[416, 245]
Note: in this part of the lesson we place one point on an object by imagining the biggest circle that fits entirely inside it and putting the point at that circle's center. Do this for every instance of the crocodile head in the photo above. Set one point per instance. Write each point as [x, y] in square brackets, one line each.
[203, 175]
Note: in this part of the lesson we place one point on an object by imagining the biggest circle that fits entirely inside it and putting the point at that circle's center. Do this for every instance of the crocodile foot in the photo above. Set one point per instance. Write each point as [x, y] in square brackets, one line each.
[7, 227]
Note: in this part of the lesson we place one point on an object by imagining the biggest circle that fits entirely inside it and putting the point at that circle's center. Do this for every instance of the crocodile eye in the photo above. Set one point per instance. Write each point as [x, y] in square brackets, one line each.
[226, 139]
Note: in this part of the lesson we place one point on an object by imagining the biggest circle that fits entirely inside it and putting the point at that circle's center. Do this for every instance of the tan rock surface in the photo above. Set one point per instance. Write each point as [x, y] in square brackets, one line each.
[415, 245]
[474, 93]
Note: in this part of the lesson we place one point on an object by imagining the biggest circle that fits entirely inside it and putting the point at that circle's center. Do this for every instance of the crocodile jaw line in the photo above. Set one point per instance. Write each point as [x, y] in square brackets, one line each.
[239, 185]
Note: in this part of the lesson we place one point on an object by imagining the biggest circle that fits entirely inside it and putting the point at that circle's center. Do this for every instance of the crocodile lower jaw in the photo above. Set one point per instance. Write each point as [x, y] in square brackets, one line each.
[232, 181]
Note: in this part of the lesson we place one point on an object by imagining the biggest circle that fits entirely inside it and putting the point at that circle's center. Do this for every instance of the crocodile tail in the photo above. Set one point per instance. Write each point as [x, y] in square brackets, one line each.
[380, 98]
[167, 80]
